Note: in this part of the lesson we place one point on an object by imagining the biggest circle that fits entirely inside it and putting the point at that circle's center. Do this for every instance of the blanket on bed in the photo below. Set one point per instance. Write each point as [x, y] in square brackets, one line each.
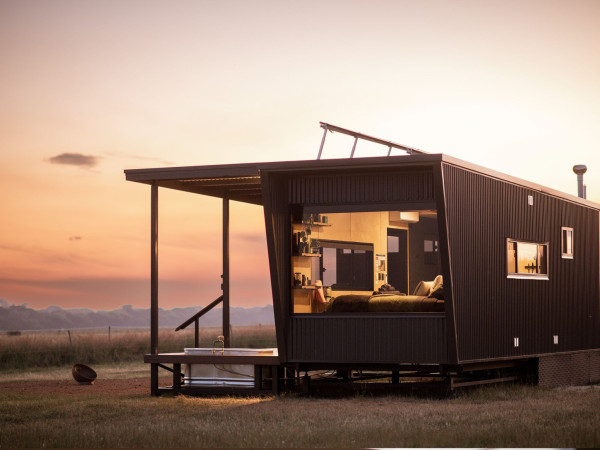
[385, 303]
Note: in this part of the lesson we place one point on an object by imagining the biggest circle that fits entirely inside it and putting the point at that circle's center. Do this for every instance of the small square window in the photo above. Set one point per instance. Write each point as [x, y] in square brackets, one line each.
[526, 259]
[567, 242]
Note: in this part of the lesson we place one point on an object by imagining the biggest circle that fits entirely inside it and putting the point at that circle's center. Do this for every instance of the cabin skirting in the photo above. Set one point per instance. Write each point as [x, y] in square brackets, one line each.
[569, 369]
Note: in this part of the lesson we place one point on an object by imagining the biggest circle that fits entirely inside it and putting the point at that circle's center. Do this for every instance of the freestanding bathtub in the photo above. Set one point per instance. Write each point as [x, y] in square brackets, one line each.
[239, 375]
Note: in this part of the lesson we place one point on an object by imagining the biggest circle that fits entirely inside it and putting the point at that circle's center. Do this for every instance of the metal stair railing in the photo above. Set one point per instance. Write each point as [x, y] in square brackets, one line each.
[195, 319]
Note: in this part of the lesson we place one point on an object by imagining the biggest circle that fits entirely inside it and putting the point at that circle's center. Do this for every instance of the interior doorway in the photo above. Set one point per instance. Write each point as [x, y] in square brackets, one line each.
[397, 250]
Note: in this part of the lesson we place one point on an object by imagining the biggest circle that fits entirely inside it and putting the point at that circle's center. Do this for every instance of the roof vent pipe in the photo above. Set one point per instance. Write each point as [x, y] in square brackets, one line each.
[580, 169]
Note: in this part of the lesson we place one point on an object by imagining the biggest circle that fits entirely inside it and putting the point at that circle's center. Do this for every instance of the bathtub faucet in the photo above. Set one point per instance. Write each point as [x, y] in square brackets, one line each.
[221, 340]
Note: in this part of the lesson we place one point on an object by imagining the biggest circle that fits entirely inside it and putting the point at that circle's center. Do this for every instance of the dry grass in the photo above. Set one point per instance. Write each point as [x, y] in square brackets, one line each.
[507, 416]
[48, 349]
[110, 371]
[494, 416]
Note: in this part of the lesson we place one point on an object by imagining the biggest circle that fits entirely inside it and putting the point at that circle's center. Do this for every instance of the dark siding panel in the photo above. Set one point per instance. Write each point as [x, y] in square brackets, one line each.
[363, 339]
[277, 225]
[352, 188]
[490, 309]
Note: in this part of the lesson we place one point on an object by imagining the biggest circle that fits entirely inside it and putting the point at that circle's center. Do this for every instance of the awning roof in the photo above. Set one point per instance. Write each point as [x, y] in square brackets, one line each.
[242, 182]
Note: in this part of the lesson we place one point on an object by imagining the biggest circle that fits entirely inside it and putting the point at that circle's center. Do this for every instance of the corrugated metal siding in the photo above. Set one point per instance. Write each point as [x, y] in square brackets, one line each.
[349, 188]
[490, 309]
[368, 339]
[277, 225]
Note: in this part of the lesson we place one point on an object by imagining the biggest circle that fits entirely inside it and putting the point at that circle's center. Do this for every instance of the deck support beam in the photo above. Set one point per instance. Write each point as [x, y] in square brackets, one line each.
[225, 285]
[154, 391]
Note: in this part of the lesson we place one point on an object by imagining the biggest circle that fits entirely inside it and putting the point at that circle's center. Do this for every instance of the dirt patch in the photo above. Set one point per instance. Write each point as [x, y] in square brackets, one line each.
[131, 386]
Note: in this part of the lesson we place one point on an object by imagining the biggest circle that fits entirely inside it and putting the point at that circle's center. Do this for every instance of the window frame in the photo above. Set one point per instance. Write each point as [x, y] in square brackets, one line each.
[568, 254]
[521, 275]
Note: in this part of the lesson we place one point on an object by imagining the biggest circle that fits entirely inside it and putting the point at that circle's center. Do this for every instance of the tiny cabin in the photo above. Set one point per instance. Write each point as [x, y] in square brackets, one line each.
[420, 264]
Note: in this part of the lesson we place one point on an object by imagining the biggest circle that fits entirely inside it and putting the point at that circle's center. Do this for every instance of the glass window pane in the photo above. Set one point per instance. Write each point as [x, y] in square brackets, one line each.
[527, 255]
[511, 256]
[428, 246]
[543, 259]
[567, 242]
[393, 245]
[329, 266]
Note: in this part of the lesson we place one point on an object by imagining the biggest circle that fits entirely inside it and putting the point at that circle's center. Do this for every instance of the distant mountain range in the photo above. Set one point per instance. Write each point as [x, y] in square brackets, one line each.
[21, 317]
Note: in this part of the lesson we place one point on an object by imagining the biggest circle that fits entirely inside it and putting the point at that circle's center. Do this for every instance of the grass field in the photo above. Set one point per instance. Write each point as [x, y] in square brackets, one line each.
[64, 414]
[51, 349]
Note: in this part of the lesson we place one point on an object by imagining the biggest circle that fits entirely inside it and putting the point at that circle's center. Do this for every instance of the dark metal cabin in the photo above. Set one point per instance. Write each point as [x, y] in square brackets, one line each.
[516, 265]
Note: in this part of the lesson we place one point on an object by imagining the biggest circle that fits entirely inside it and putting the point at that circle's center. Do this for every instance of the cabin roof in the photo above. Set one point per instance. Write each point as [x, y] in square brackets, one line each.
[242, 182]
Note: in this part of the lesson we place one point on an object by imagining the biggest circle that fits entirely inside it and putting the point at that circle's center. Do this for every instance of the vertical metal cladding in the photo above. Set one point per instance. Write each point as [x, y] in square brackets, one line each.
[361, 188]
[491, 309]
[368, 339]
[277, 226]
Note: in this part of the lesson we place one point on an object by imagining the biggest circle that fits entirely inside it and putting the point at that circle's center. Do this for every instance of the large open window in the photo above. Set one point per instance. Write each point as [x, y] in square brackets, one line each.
[341, 261]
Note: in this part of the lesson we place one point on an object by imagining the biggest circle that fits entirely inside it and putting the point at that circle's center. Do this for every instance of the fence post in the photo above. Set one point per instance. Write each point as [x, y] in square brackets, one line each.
[71, 344]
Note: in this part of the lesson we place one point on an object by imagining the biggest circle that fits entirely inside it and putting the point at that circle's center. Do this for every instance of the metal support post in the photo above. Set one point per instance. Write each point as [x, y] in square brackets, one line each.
[154, 271]
[322, 140]
[226, 329]
[354, 147]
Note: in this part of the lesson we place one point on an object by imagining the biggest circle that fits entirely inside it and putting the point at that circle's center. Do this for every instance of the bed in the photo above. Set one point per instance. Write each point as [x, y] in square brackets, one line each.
[430, 299]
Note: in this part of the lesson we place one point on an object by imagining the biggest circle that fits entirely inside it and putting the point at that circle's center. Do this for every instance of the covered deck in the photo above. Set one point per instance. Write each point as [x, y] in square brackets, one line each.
[231, 182]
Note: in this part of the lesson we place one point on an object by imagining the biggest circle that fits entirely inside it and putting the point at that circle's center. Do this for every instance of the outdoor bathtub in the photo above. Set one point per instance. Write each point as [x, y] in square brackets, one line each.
[239, 375]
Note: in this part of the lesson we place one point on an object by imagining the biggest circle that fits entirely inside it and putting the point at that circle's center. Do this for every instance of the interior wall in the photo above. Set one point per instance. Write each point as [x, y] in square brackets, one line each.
[425, 229]
[363, 227]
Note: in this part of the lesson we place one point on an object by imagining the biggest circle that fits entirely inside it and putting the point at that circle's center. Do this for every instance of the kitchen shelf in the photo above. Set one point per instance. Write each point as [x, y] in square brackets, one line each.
[317, 224]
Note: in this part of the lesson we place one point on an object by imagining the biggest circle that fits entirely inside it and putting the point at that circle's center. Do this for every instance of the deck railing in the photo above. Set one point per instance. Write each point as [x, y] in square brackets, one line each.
[195, 318]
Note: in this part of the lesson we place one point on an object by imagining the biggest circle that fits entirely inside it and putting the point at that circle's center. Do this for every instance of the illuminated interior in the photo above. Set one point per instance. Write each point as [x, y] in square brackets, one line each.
[358, 255]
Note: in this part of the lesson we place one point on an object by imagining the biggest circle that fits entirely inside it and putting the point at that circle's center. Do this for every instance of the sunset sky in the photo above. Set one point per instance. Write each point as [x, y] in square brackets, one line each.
[90, 88]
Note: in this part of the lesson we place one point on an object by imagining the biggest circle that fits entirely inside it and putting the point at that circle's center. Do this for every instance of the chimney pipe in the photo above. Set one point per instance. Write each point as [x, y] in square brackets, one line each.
[580, 169]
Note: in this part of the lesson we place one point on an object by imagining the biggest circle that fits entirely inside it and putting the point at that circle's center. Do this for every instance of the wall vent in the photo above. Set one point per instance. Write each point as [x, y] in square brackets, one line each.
[516, 341]
[555, 339]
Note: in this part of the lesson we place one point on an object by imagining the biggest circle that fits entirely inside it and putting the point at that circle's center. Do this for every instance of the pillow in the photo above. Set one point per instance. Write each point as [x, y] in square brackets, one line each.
[437, 292]
[439, 280]
[423, 288]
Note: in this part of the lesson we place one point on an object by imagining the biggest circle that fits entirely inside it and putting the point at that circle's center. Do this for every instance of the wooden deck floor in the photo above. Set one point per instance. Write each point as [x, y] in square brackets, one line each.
[182, 358]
